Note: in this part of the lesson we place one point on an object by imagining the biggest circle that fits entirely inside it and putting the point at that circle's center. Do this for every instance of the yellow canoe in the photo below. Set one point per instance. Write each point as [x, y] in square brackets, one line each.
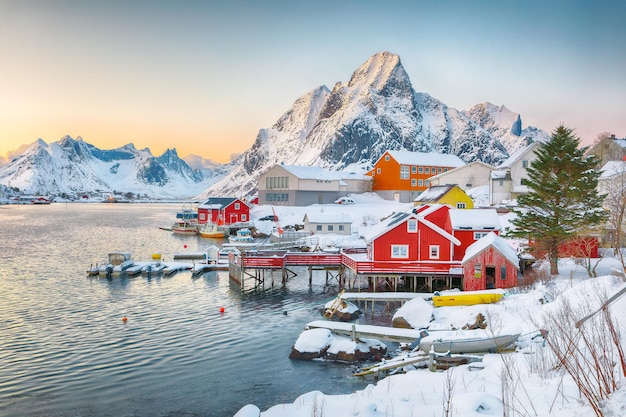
[467, 298]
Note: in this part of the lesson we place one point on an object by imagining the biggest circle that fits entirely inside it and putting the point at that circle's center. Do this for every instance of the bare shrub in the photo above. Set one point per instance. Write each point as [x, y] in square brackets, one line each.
[588, 353]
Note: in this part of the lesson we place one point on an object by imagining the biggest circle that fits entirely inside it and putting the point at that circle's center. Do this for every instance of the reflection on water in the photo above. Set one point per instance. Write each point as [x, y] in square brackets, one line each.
[65, 350]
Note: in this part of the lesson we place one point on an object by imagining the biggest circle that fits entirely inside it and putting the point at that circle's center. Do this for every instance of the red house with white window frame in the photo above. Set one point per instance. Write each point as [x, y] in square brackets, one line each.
[406, 243]
[223, 211]
[490, 263]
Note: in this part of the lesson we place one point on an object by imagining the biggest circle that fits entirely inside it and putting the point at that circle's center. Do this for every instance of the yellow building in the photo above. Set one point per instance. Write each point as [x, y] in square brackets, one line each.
[451, 195]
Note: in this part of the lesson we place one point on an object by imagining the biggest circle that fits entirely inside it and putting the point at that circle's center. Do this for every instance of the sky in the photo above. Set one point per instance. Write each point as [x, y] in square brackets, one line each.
[204, 76]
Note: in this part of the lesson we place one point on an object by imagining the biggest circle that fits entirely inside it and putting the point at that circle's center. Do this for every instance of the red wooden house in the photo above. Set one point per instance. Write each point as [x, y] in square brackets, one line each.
[490, 263]
[223, 211]
[470, 225]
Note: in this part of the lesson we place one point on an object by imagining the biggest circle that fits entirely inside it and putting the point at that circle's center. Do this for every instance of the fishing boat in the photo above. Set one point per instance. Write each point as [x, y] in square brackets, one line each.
[211, 231]
[467, 298]
[186, 221]
[243, 236]
[117, 264]
[467, 341]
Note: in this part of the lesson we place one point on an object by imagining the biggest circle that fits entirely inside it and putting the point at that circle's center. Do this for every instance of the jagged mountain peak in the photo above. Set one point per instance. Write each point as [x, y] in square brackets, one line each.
[378, 71]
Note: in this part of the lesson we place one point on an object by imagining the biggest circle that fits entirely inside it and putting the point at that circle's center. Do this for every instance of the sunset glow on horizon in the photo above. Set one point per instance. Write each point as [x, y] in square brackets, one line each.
[204, 76]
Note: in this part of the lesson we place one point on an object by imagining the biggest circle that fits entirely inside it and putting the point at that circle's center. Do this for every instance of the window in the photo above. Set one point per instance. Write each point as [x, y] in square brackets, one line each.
[420, 183]
[413, 182]
[479, 235]
[501, 183]
[468, 185]
[400, 251]
[524, 163]
[378, 170]
[478, 271]
[330, 227]
[438, 170]
[387, 157]
[318, 227]
[411, 226]
[434, 251]
[413, 169]
[244, 217]
[427, 170]
[427, 183]
[503, 272]
[237, 206]
[460, 205]
[445, 170]
[201, 216]
[341, 227]
[420, 170]
[404, 172]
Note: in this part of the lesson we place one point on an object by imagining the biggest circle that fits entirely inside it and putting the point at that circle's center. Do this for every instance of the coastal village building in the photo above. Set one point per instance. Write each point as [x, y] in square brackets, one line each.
[490, 263]
[472, 175]
[469, 226]
[327, 223]
[609, 149]
[403, 175]
[452, 195]
[223, 211]
[508, 179]
[290, 185]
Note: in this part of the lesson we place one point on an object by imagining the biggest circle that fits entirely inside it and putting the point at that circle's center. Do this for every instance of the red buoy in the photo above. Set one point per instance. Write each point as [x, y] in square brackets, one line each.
[185, 246]
[124, 319]
[222, 309]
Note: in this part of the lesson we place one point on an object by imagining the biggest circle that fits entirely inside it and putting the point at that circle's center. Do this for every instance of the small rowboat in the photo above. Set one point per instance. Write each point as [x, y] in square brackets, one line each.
[467, 298]
[467, 341]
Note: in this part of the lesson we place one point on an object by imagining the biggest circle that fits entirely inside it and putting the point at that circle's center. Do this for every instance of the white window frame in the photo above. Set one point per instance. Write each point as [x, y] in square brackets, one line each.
[433, 251]
[460, 205]
[237, 206]
[405, 172]
[399, 251]
[411, 226]
[480, 235]
[413, 182]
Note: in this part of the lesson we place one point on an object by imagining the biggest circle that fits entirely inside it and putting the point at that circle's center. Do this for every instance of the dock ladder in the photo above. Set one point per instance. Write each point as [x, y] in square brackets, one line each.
[337, 303]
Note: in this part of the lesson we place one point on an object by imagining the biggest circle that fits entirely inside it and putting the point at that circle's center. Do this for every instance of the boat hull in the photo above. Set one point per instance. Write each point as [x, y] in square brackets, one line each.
[467, 298]
[467, 342]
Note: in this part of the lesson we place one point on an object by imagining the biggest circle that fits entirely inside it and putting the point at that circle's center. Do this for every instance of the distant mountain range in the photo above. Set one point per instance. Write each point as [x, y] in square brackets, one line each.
[73, 167]
[346, 128]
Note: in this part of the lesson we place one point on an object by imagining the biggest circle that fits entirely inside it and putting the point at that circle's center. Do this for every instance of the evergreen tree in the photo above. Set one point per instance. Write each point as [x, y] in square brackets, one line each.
[563, 198]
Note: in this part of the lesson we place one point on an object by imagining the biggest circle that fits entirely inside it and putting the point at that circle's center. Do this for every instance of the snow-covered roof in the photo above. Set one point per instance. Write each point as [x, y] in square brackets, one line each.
[474, 219]
[327, 218]
[454, 170]
[317, 173]
[433, 193]
[218, 202]
[519, 154]
[494, 241]
[427, 159]
[612, 168]
[371, 233]
[499, 175]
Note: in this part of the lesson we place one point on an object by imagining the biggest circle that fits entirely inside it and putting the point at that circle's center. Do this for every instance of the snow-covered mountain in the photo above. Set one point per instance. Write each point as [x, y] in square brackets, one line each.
[349, 127]
[74, 167]
[376, 110]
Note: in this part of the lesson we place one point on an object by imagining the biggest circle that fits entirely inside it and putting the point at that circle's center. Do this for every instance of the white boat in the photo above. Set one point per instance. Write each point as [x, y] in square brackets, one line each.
[117, 264]
[467, 341]
[242, 236]
[186, 221]
[153, 268]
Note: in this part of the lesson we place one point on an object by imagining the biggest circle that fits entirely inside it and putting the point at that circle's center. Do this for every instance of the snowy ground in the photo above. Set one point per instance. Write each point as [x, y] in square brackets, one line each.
[527, 382]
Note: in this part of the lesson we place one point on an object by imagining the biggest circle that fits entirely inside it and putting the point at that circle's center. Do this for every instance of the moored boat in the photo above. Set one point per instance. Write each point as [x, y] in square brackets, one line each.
[243, 236]
[117, 264]
[467, 341]
[467, 298]
[211, 231]
[186, 221]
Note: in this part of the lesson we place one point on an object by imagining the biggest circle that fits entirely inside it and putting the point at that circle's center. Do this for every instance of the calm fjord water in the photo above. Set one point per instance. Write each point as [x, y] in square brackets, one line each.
[65, 351]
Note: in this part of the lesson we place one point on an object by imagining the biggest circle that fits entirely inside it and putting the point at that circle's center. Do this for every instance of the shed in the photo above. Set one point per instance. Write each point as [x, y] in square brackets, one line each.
[328, 223]
[490, 263]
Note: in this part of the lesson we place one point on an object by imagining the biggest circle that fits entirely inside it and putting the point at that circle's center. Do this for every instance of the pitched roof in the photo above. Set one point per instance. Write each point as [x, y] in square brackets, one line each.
[219, 202]
[454, 170]
[372, 232]
[327, 218]
[613, 168]
[427, 159]
[519, 154]
[494, 241]
[434, 193]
